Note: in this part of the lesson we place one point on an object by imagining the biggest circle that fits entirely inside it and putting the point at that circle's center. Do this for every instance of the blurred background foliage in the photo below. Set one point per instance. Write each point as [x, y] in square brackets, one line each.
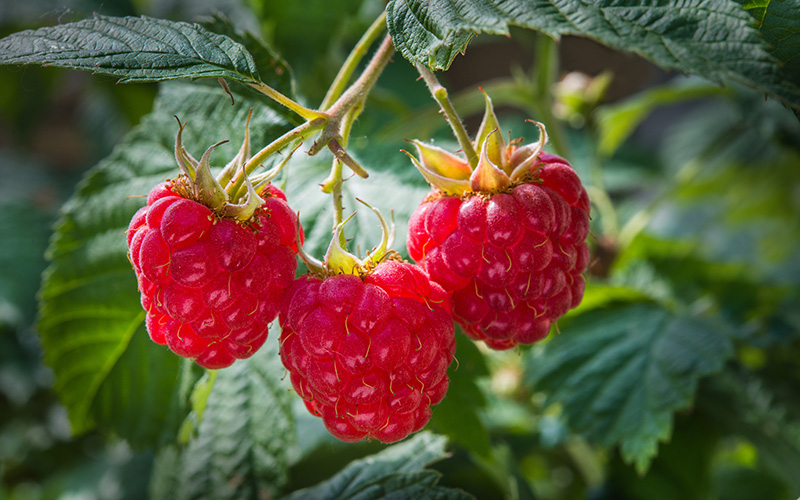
[695, 238]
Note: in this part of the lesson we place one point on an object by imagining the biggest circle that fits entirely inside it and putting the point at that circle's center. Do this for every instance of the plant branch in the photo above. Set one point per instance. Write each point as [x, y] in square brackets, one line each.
[333, 184]
[439, 93]
[353, 59]
[357, 92]
[352, 101]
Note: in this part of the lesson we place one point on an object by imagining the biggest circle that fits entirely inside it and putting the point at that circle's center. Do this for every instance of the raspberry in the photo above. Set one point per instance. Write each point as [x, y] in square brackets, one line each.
[210, 284]
[506, 237]
[512, 260]
[368, 353]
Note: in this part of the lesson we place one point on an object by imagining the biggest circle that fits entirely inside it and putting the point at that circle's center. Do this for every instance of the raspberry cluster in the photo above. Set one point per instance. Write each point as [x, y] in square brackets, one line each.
[511, 259]
[500, 245]
[369, 355]
[211, 285]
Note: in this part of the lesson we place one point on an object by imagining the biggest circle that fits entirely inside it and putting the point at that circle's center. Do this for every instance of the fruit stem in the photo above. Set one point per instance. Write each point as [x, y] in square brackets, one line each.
[353, 59]
[333, 184]
[298, 133]
[439, 93]
[308, 114]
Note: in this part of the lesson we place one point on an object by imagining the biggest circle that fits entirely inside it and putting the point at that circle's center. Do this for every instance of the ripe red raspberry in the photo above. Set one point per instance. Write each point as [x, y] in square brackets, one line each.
[210, 284]
[504, 233]
[369, 354]
[513, 260]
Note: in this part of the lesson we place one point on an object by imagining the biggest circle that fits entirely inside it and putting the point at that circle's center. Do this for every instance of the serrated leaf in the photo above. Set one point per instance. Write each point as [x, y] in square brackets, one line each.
[90, 318]
[715, 40]
[135, 49]
[396, 472]
[621, 373]
[240, 450]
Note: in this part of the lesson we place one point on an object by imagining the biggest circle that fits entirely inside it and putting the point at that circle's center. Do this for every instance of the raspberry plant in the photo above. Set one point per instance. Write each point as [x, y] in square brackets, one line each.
[657, 289]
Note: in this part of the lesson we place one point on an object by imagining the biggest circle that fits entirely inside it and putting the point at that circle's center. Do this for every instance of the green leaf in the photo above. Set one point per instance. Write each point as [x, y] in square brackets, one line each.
[138, 398]
[716, 40]
[457, 415]
[108, 374]
[620, 373]
[136, 49]
[242, 442]
[396, 472]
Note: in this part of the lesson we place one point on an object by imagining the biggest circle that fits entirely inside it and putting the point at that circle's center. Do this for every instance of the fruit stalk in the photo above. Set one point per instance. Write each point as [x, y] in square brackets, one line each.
[439, 93]
[358, 92]
[296, 134]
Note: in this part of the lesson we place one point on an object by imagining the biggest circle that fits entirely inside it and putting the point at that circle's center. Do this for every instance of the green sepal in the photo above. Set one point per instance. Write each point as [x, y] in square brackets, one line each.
[494, 144]
[186, 162]
[387, 235]
[444, 184]
[337, 259]
[438, 161]
[245, 210]
[207, 189]
[488, 177]
[240, 159]
[526, 156]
